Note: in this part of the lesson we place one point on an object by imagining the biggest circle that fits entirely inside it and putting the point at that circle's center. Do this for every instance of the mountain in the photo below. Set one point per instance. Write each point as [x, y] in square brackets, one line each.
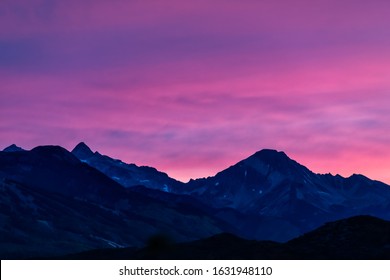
[52, 203]
[269, 183]
[265, 196]
[128, 175]
[54, 169]
[248, 225]
[82, 151]
[158, 185]
[360, 237]
[13, 148]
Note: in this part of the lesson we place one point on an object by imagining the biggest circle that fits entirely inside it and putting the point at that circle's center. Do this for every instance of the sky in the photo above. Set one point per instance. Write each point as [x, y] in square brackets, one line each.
[192, 87]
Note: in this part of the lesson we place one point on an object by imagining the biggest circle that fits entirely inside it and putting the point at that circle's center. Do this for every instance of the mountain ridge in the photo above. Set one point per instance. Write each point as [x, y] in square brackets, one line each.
[13, 148]
[267, 196]
[355, 238]
[84, 148]
[49, 198]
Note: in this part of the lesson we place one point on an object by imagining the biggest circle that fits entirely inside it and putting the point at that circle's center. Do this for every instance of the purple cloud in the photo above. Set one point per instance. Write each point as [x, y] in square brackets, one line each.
[191, 88]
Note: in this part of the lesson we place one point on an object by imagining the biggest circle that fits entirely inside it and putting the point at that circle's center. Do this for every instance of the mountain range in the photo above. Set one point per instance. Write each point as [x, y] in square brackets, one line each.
[58, 203]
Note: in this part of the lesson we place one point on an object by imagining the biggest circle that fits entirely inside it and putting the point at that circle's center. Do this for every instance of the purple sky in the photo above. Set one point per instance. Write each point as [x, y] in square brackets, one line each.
[191, 87]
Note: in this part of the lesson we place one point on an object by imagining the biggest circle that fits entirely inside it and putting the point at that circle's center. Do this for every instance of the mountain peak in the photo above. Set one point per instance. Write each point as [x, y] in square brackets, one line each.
[278, 160]
[13, 148]
[54, 151]
[270, 155]
[82, 151]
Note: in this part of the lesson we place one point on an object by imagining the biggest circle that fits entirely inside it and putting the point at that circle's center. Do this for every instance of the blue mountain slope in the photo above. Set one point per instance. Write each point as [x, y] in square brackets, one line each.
[128, 175]
[269, 183]
[53, 203]
[267, 196]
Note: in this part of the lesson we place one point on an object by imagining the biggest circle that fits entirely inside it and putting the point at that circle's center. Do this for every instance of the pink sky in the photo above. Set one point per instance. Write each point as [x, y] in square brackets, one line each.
[191, 87]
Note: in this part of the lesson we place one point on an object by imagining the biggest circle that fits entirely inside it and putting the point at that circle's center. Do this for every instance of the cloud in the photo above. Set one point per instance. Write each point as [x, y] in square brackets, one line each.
[191, 88]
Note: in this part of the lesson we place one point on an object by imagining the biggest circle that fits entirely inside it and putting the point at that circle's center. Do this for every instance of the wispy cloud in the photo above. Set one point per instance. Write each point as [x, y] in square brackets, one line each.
[194, 87]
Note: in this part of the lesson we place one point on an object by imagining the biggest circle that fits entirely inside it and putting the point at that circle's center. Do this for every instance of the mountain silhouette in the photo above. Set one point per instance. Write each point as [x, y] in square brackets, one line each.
[52, 203]
[128, 175]
[82, 151]
[55, 202]
[360, 237]
[13, 148]
[269, 183]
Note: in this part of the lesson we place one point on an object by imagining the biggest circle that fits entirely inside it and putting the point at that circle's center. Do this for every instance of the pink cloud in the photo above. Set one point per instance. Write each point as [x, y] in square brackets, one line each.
[192, 88]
